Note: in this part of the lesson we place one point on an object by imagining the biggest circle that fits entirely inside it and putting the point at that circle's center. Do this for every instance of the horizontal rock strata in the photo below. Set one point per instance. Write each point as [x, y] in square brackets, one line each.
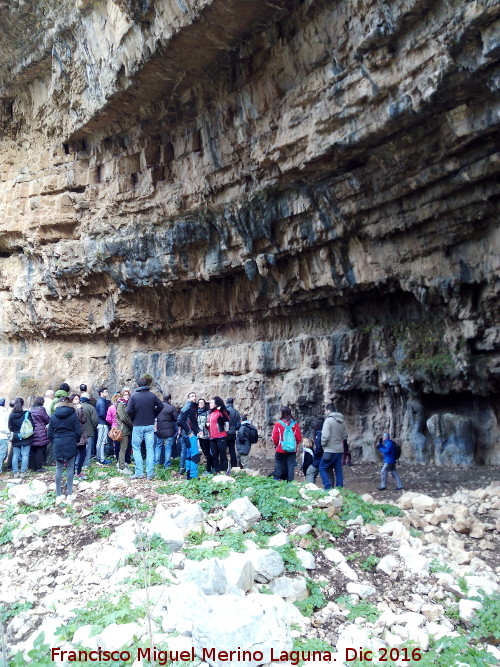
[278, 201]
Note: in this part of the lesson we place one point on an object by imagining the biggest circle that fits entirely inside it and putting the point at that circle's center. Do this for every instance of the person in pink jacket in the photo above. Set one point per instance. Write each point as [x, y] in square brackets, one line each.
[286, 437]
[216, 424]
[112, 419]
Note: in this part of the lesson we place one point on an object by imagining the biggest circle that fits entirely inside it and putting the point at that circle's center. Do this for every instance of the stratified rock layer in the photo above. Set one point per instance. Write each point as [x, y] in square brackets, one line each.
[280, 201]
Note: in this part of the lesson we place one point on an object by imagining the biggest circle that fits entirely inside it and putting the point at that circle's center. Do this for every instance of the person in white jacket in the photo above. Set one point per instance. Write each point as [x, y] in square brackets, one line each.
[4, 431]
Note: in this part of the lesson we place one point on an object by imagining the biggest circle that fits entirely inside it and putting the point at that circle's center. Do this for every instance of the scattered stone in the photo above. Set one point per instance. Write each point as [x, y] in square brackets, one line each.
[291, 589]
[268, 564]
[243, 512]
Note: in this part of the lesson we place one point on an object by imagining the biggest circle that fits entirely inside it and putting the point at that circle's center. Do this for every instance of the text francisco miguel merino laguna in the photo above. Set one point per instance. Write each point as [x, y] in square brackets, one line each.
[163, 657]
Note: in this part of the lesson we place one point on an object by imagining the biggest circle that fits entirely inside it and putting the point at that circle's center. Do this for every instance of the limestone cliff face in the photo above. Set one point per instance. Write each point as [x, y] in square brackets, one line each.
[279, 201]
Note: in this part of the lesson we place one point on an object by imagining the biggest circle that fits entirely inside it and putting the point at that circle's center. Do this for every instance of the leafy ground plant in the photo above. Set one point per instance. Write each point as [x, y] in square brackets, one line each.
[302, 646]
[112, 503]
[355, 609]
[370, 562]
[355, 506]
[99, 614]
[315, 601]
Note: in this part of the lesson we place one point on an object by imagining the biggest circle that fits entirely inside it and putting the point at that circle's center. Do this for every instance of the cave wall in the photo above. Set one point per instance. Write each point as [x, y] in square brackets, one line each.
[279, 201]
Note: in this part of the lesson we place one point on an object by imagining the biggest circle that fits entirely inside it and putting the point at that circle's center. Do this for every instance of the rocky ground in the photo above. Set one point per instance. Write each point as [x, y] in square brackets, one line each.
[289, 566]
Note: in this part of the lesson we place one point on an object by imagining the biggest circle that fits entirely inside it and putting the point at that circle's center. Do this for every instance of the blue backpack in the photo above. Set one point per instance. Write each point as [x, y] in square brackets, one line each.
[288, 443]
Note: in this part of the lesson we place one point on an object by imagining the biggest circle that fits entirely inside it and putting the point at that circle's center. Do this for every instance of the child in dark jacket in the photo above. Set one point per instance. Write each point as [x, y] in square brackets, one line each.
[247, 435]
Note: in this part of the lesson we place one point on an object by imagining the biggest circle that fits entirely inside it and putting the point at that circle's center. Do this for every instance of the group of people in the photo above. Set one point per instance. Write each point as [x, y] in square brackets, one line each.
[69, 428]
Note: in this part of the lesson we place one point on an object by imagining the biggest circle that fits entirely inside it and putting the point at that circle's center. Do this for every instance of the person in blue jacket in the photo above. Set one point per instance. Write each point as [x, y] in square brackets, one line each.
[386, 446]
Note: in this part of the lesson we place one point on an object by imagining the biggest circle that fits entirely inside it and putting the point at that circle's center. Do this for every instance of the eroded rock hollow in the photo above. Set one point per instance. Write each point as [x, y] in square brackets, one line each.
[279, 201]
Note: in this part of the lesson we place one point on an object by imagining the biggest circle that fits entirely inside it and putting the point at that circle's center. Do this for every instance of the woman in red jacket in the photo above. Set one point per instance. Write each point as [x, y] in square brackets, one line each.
[286, 437]
[216, 421]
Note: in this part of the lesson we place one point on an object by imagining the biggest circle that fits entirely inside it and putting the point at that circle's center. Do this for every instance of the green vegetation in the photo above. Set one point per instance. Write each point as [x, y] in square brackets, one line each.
[6, 531]
[315, 601]
[426, 351]
[370, 563]
[111, 504]
[311, 644]
[436, 566]
[452, 651]
[355, 609]
[8, 611]
[355, 506]
[486, 621]
[99, 614]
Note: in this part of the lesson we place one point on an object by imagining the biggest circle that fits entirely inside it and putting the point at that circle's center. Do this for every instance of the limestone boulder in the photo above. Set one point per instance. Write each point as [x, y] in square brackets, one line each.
[28, 494]
[209, 575]
[267, 563]
[163, 525]
[256, 625]
[243, 512]
[290, 589]
[240, 572]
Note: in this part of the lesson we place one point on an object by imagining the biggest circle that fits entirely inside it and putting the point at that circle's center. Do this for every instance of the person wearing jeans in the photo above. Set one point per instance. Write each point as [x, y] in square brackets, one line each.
[165, 431]
[90, 425]
[143, 408]
[20, 452]
[333, 435]
[61, 466]
[65, 431]
[146, 433]
[331, 462]
[188, 425]
[101, 407]
[386, 446]
[20, 446]
[4, 432]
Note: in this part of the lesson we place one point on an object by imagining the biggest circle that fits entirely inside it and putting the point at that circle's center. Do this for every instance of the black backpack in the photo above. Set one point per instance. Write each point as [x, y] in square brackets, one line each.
[396, 448]
[253, 434]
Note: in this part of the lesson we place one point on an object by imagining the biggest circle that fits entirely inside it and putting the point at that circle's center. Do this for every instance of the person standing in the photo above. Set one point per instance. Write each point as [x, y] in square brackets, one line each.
[165, 430]
[124, 423]
[20, 446]
[205, 440]
[247, 436]
[333, 435]
[386, 446]
[65, 432]
[62, 391]
[189, 432]
[84, 390]
[112, 421]
[47, 401]
[101, 408]
[40, 436]
[286, 437]
[312, 471]
[217, 419]
[4, 432]
[81, 445]
[143, 408]
[232, 431]
[89, 426]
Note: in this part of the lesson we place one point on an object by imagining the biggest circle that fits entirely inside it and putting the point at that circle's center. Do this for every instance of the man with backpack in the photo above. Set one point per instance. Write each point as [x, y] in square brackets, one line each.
[234, 425]
[247, 436]
[333, 435]
[391, 452]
